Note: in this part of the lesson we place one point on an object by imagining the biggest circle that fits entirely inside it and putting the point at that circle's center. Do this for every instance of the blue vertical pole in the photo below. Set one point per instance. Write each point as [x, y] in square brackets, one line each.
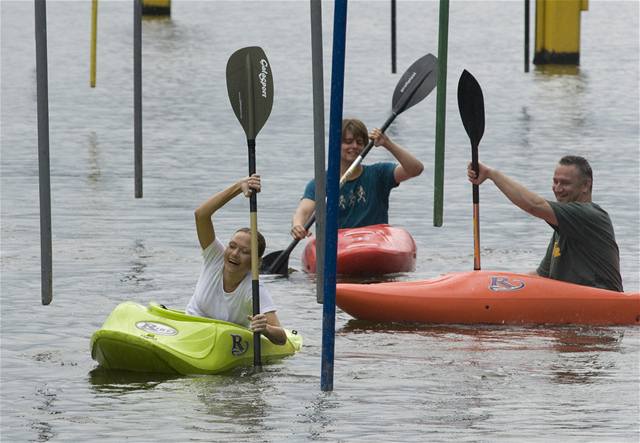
[333, 188]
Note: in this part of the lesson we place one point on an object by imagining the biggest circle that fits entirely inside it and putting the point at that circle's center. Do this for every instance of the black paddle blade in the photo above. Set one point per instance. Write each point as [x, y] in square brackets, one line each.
[269, 260]
[415, 84]
[471, 105]
[250, 88]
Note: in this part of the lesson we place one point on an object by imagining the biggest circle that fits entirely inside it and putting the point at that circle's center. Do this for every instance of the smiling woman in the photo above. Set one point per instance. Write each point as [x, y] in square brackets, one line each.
[237, 255]
[224, 289]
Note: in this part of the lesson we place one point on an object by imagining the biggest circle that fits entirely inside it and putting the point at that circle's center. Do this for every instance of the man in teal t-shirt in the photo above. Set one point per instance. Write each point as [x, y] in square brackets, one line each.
[583, 247]
[364, 197]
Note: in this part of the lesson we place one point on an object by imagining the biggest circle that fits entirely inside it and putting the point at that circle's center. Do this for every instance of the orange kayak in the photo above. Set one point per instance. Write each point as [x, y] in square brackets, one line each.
[488, 297]
[369, 250]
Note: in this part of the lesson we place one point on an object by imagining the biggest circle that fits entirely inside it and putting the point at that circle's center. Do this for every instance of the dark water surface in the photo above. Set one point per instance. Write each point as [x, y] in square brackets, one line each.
[392, 382]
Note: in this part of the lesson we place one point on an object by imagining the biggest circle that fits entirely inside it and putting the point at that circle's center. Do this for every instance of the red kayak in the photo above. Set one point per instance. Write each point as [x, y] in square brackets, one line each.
[488, 297]
[369, 250]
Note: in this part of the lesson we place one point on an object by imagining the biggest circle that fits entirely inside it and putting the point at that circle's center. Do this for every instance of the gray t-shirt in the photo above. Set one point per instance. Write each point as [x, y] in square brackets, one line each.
[583, 247]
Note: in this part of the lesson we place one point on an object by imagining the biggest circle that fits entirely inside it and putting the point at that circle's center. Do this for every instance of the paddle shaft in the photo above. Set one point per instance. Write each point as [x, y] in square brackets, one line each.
[255, 288]
[476, 209]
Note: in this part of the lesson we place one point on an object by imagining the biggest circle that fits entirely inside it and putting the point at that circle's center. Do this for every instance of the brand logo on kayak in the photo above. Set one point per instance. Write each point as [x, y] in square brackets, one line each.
[156, 328]
[504, 284]
[238, 346]
[408, 82]
[263, 76]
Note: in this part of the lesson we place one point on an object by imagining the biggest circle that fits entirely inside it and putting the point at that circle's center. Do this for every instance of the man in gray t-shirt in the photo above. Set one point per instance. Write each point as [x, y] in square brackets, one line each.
[583, 247]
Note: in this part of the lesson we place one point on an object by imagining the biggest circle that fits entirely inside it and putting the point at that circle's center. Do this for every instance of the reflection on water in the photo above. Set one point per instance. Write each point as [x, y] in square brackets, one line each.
[317, 415]
[562, 70]
[587, 339]
[138, 265]
[558, 338]
[582, 370]
[94, 173]
[236, 399]
[581, 351]
[46, 399]
[119, 382]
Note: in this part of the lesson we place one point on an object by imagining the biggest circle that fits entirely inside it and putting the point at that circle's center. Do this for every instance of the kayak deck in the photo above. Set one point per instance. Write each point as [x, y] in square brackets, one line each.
[479, 297]
[160, 340]
[369, 250]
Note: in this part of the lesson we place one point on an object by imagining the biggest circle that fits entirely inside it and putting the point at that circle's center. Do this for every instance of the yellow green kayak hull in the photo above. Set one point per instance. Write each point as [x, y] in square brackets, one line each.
[160, 340]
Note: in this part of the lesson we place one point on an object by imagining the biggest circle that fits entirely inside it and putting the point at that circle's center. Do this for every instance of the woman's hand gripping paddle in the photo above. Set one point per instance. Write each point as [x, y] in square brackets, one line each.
[250, 88]
[471, 105]
[414, 85]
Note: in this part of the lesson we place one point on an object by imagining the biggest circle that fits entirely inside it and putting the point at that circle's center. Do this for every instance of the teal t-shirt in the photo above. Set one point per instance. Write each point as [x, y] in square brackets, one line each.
[365, 200]
[583, 247]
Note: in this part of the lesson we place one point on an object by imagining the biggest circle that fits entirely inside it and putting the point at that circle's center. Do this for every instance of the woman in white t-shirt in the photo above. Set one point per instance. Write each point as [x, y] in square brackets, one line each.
[224, 288]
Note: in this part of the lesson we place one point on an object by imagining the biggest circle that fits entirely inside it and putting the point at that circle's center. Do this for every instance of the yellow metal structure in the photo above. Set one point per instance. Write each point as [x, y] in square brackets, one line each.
[558, 31]
[94, 39]
[156, 7]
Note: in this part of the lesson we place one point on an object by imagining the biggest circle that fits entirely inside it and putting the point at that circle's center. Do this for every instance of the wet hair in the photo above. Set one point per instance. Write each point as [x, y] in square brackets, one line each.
[357, 129]
[581, 164]
[262, 243]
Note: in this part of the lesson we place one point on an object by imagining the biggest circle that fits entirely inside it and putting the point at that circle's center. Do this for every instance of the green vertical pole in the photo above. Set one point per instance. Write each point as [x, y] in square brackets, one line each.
[441, 105]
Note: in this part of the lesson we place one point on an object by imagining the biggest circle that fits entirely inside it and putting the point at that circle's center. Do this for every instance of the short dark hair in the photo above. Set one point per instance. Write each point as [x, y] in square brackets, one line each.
[357, 129]
[581, 164]
[262, 243]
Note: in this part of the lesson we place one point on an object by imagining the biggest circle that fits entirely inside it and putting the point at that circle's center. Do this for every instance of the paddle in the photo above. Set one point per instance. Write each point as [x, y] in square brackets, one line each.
[250, 88]
[471, 105]
[414, 85]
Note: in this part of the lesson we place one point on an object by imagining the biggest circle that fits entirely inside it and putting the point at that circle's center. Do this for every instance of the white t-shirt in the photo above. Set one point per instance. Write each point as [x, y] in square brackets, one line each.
[211, 300]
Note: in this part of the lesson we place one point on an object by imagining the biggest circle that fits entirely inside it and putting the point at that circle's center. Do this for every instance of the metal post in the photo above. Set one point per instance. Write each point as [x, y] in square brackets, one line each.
[526, 35]
[333, 189]
[441, 103]
[137, 95]
[318, 139]
[42, 87]
[393, 36]
[94, 40]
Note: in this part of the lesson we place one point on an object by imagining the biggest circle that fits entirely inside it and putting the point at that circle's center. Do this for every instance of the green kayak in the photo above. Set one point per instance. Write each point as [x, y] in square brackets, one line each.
[156, 339]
